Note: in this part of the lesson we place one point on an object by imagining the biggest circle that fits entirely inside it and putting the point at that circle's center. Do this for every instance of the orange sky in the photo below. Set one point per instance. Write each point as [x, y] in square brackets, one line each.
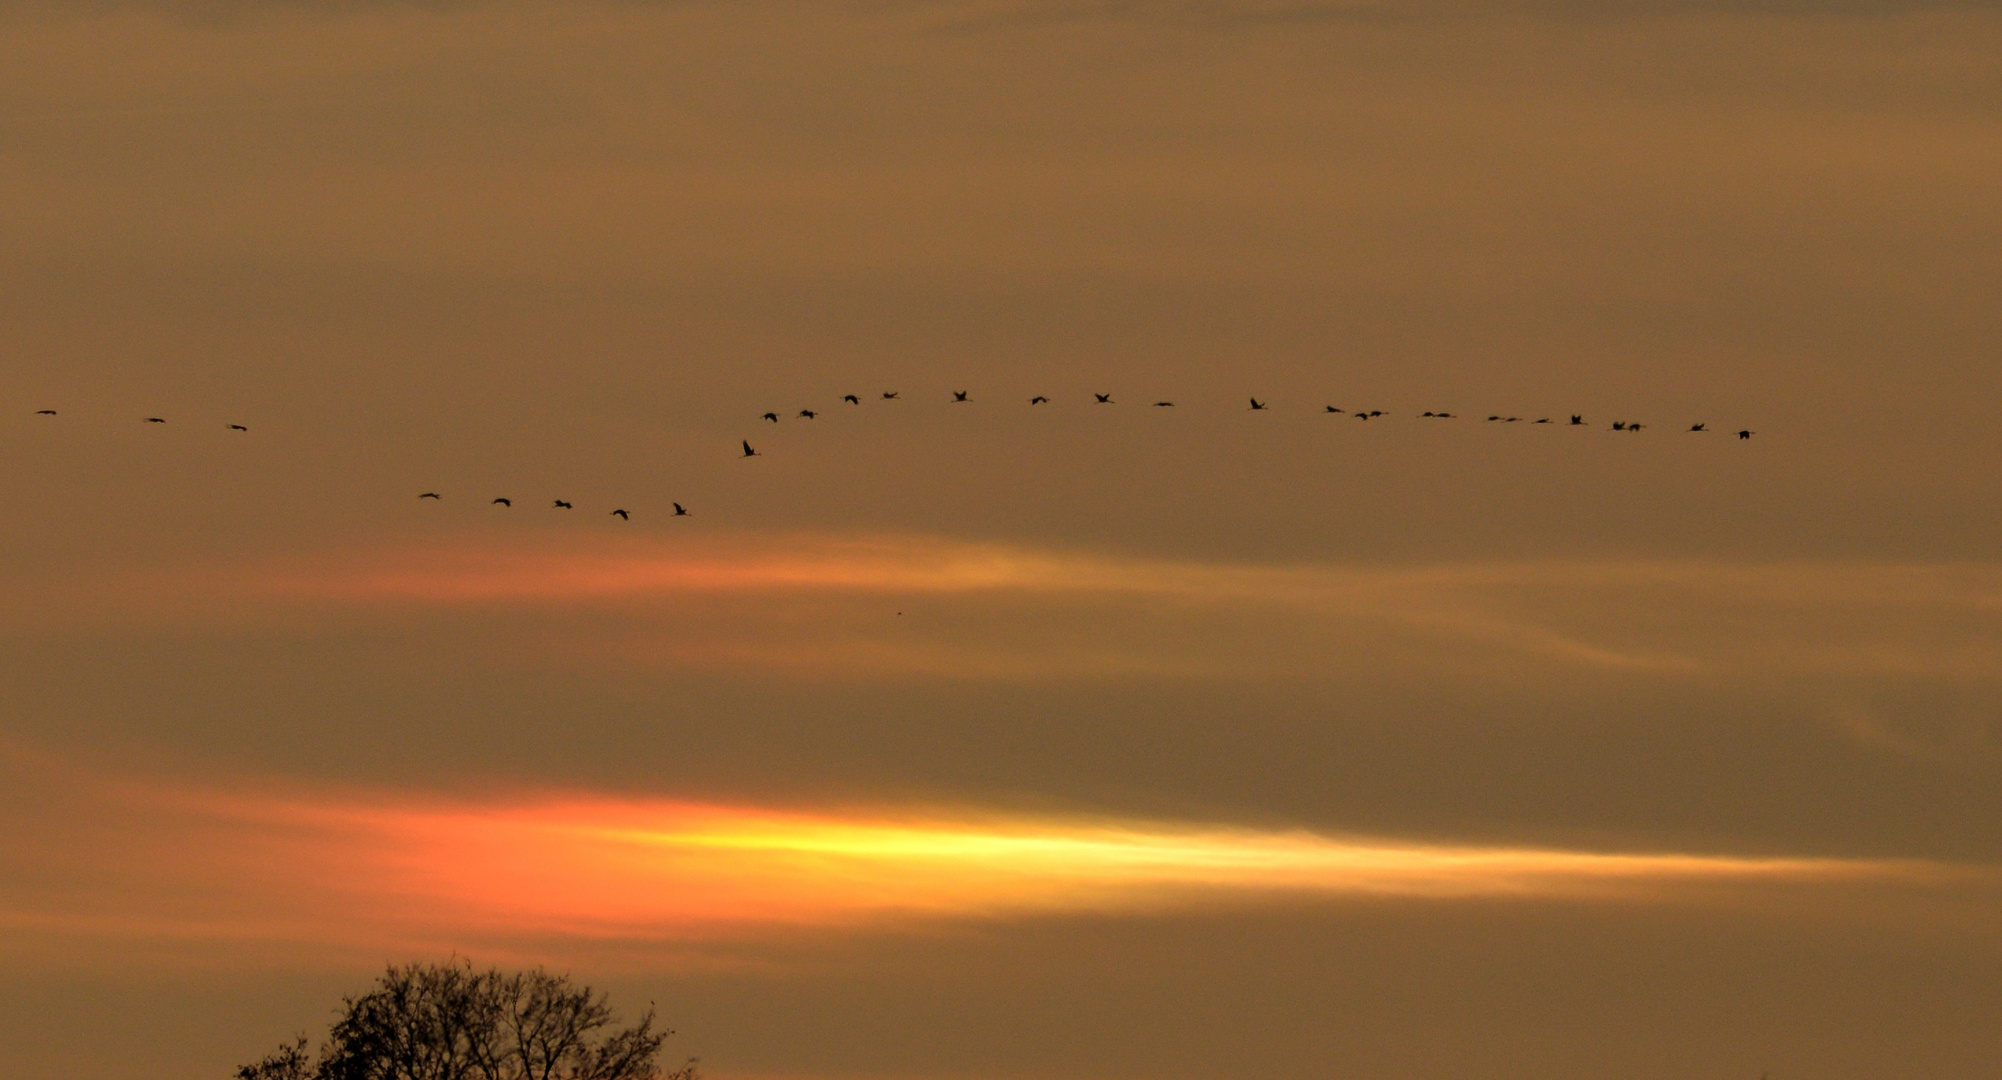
[988, 740]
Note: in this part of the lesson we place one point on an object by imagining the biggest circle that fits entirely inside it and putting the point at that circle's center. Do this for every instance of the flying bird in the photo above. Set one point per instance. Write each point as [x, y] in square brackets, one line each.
[1103, 399]
[622, 515]
[1164, 404]
[1257, 404]
[748, 452]
[430, 495]
[502, 501]
[1699, 427]
[1633, 427]
[1492, 419]
[959, 395]
[1039, 400]
[680, 511]
[1577, 420]
[1332, 409]
[1545, 420]
[807, 414]
[156, 420]
[45, 412]
[1619, 425]
[1376, 412]
[1360, 415]
[772, 416]
[851, 399]
[1744, 434]
[889, 395]
[559, 504]
[238, 427]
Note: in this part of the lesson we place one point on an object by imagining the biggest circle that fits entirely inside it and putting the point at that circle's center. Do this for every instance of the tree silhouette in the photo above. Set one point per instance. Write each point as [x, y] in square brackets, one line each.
[450, 1022]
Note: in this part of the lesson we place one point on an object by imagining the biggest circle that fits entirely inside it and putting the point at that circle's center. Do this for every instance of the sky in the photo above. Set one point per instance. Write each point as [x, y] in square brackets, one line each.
[986, 740]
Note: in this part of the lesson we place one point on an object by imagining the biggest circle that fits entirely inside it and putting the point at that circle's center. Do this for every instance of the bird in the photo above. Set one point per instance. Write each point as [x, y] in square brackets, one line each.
[807, 414]
[851, 399]
[1257, 404]
[772, 416]
[748, 452]
[622, 515]
[680, 511]
[1545, 420]
[156, 420]
[238, 427]
[1744, 434]
[1428, 412]
[1103, 399]
[559, 504]
[1039, 400]
[959, 395]
[45, 412]
[889, 395]
[1360, 415]
[1513, 420]
[1376, 412]
[1699, 427]
[1577, 420]
[1164, 404]
[1619, 425]
[430, 495]
[502, 501]
[1447, 415]
[1633, 427]
[1332, 409]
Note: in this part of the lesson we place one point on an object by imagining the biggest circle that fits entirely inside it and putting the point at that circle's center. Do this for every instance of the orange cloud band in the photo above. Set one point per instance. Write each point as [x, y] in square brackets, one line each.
[359, 872]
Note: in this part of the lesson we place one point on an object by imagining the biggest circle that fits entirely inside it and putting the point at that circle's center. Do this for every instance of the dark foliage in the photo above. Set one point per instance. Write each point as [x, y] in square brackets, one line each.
[450, 1022]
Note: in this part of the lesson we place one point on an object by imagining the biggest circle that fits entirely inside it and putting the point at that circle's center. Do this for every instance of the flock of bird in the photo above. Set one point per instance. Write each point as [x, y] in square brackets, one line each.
[960, 397]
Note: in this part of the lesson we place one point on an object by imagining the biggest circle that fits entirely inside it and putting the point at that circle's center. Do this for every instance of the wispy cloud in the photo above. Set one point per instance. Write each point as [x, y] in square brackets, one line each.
[981, 610]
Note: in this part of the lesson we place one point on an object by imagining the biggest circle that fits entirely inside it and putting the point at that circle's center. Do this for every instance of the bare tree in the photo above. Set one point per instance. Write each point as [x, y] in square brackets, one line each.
[450, 1022]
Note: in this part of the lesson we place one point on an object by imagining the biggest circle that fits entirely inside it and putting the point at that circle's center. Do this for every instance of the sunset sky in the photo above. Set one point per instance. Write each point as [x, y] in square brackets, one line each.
[985, 740]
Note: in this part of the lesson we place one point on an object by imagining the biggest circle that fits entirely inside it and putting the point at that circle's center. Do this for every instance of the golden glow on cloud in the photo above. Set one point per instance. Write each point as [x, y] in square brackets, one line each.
[359, 872]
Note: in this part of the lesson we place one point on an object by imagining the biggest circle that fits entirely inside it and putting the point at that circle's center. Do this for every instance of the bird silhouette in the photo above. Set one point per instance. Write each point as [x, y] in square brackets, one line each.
[1513, 420]
[559, 504]
[1577, 420]
[1446, 415]
[238, 427]
[1492, 419]
[155, 420]
[502, 501]
[748, 452]
[1164, 404]
[807, 414]
[851, 399]
[1332, 409]
[1619, 425]
[45, 412]
[772, 416]
[1699, 427]
[1103, 399]
[680, 511]
[1376, 412]
[1257, 404]
[1545, 420]
[1745, 434]
[1633, 427]
[430, 495]
[959, 395]
[1039, 400]
[622, 515]
[1360, 415]
[889, 395]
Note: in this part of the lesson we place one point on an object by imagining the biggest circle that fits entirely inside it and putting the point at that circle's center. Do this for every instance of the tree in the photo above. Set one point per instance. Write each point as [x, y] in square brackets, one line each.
[450, 1022]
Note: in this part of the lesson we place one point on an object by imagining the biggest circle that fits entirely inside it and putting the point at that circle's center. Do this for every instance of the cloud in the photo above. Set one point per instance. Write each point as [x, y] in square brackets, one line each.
[934, 606]
[345, 872]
